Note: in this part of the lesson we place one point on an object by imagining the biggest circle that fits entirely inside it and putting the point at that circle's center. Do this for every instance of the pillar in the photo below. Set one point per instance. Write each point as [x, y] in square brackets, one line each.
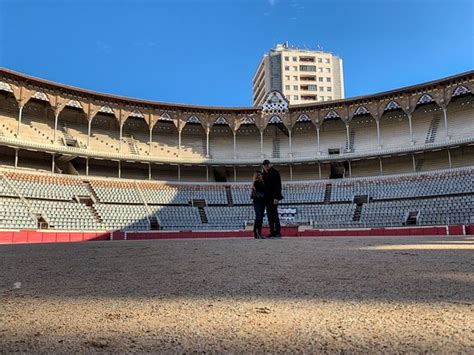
[207, 173]
[319, 169]
[119, 169]
[235, 174]
[120, 137]
[56, 115]
[289, 140]
[350, 168]
[381, 166]
[445, 114]
[52, 163]
[261, 143]
[291, 172]
[179, 141]
[449, 159]
[20, 113]
[235, 144]
[16, 158]
[87, 166]
[377, 122]
[207, 142]
[411, 128]
[179, 172]
[348, 138]
[149, 171]
[413, 160]
[317, 133]
[150, 142]
[89, 124]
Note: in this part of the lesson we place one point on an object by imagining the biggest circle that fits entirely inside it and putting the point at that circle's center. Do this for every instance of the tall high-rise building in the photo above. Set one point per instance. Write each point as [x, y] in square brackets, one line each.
[303, 76]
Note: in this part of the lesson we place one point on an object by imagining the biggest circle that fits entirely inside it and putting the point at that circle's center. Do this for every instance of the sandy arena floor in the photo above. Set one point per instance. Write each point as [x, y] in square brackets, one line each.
[239, 295]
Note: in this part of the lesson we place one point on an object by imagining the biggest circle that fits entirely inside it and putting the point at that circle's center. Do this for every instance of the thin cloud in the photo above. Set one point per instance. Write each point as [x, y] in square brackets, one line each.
[103, 46]
[272, 2]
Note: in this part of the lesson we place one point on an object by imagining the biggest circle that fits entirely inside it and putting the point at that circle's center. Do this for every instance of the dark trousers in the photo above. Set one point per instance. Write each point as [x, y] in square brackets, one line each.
[273, 218]
[259, 207]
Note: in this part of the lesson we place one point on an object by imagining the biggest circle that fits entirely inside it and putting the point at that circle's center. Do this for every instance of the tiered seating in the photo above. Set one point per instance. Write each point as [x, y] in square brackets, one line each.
[47, 186]
[66, 215]
[116, 191]
[182, 194]
[229, 218]
[14, 214]
[177, 217]
[128, 217]
[303, 192]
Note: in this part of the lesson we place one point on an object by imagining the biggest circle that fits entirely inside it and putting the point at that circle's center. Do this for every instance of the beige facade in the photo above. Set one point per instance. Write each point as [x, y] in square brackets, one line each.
[303, 76]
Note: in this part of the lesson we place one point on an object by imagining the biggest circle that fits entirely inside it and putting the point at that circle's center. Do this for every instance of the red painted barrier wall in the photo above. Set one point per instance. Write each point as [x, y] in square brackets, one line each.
[49, 236]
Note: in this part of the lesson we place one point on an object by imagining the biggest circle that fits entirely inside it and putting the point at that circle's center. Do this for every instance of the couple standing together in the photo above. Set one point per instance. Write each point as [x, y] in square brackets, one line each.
[266, 194]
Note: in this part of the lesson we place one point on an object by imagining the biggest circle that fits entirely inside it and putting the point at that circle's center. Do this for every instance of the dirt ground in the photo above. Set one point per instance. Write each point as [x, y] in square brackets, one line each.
[239, 295]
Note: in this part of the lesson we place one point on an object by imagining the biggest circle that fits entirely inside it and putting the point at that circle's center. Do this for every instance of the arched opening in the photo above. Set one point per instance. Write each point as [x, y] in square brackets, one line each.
[394, 120]
[247, 141]
[275, 139]
[303, 138]
[165, 141]
[72, 127]
[426, 120]
[105, 133]
[135, 136]
[221, 142]
[332, 136]
[363, 131]
[459, 114]
[193, 140]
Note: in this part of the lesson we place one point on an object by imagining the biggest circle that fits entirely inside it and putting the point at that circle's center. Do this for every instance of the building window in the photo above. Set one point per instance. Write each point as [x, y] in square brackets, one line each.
[287, 77]
[328, 70]
[295, 59]
[287, 87]
[287, 59]
[308, 68]
[320, 69]
[295, 97]
[321, 79]
[327, 60]
[329, 97]
[328, 80]
[312, 88]
[321, 88]
[287, 67]
[295, 68]
[320, 60]
[295, 87]
[328, 89]
[295, 77]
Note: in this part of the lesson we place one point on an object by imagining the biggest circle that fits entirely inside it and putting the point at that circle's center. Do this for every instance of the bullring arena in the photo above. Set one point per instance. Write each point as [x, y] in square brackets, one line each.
[126, 224]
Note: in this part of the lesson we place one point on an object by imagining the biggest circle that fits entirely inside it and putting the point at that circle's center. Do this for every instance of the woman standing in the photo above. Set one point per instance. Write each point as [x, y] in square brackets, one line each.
[258, 197]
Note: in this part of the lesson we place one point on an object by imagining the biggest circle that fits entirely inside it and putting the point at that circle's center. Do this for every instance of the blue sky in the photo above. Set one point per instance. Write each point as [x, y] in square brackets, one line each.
[206, 52]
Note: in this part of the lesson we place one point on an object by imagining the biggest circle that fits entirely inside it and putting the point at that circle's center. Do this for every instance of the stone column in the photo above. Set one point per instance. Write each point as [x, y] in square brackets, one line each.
[411, 128]
[319, 146]
[235, 143]
[377, 122]
[348, 138]
[89, 124]
[20, 113]
[150, 141]
[381, 166]
[261, 143]
[120, 137]
[289, 141]
[56, 115]
[445, 114]
[207, 141]
[16, 158]
[449, 159]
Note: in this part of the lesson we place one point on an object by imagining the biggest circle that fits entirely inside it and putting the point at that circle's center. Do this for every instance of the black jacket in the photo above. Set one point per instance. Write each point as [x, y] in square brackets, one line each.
[258, 191]
[272, 181]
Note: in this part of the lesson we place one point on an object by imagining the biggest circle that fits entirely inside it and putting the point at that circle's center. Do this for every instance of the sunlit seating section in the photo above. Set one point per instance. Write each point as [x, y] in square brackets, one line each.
[127, 217]
[66, 214]
[14, 214]
[408, 186]
[47, 186]
[332, 136]
[116, 191]
[303, 193]
[364, 137]
[326, 215]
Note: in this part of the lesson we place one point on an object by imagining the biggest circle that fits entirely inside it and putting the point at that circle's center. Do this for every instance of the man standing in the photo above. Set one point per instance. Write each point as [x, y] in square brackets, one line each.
[272, 180]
